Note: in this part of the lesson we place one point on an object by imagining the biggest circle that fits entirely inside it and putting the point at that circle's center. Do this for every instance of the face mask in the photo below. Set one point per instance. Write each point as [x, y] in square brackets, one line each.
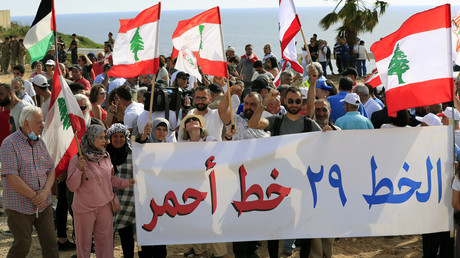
[32, 136]
[234, 66]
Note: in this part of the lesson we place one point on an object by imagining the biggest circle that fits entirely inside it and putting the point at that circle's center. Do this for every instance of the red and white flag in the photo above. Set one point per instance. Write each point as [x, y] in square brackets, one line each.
[64, 118]
[200, 38]
[374, 79]
[410, 79]
[289, 24]
[136, 46]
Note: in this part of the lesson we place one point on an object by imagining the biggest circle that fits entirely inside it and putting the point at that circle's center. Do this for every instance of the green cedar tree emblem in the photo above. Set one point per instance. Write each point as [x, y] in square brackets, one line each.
[63, 113]
[201, 27]
[398, 64]
[136, 44]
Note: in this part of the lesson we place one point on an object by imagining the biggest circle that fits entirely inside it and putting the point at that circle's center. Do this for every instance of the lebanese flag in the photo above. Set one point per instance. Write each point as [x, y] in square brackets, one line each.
[373, 79]
[63, 119]
[289, 24]
[456, 38]
[136, 46]
[40, 36]
[410, 79]
[202, 37]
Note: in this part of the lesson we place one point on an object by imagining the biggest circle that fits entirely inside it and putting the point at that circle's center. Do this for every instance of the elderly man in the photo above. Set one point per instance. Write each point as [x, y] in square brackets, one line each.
[20, 90]
[323, 113]
[18, 71]
[370, 105]
[9, 100]
[27, 178]
[353, 119]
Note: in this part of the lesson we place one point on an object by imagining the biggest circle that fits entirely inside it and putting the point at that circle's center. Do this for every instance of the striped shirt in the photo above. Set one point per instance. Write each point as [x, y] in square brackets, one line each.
[31, 162]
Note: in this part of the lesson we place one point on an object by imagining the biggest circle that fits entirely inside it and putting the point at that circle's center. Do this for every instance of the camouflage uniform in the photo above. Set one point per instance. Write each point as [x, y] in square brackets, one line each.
[5, 56]
[14, 49]
[22, 52]
[74, 50]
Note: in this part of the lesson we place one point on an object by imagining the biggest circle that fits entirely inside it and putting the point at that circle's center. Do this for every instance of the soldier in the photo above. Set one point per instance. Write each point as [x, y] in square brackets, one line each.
[22, 52]
[14, 49]
[74, 49]
[5, 54]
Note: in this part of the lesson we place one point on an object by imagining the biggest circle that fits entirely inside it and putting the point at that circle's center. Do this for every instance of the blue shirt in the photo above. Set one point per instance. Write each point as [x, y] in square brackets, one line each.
[337, 108]
[353, 120]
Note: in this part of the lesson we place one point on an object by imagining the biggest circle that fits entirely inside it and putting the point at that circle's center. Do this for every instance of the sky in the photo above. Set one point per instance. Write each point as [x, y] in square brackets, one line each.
[29, 7]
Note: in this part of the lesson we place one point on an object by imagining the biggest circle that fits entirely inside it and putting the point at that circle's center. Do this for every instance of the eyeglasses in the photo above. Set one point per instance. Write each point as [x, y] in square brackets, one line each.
[83, 107]
[191, 119]
[102, 93]
[201, 98]
[297, 101]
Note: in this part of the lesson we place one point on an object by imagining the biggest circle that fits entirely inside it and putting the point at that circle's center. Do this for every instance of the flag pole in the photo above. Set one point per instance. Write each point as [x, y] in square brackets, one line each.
[79, 152]
[306, 46]
[53, 20]
[232, 121]
[156, 54]
[152, 92]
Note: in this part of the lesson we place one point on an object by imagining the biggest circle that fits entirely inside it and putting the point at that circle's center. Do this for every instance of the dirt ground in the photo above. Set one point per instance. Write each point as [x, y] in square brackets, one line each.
[396, 246]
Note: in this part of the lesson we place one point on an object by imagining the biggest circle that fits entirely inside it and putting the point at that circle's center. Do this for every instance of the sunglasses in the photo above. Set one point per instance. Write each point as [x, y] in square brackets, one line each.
[191, 119]
[83, 108]
[201, 98]
[297, 101]
[102, 93]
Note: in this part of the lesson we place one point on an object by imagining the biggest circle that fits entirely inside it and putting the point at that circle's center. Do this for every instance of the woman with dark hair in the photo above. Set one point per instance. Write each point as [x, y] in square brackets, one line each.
[273, 66]
[87, 67]
[115, 111]
[91, 178]
[162, 71]
[96, 97]
[38, 66]
[402, 119]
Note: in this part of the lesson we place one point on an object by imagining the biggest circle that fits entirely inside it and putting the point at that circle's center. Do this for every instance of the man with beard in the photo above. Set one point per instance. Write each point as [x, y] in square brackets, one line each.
[9, 100]
[322, 114]
[291, 122]
[250, 104]
[20, 90]
[202, 98]
[18, 71]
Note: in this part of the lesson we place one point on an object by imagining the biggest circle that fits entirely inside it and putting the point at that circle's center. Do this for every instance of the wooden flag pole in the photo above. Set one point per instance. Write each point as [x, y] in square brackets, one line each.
[79, 152]
[306, 47]
[151, 98]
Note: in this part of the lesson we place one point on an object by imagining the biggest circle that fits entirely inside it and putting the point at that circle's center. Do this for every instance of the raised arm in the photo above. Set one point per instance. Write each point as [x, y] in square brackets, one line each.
[311, 94]
[256, 122]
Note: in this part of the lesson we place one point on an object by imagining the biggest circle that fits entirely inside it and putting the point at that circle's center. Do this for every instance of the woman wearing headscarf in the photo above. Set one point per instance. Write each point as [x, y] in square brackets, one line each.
[160, 127]
[120, 153]
[93, 193]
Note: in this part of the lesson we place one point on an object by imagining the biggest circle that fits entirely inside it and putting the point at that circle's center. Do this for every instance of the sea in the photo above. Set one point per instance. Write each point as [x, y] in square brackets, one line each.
[256, 26]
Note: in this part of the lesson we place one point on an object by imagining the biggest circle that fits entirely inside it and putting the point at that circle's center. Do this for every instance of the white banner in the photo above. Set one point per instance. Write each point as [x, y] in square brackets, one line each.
[310, 185]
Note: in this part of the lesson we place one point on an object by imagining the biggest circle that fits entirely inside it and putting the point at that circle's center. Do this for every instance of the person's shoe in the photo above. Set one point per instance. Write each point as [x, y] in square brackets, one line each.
[66, 246]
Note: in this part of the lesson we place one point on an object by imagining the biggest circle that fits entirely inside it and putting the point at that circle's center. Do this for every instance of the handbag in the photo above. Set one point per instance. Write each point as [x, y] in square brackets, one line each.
[356, 55]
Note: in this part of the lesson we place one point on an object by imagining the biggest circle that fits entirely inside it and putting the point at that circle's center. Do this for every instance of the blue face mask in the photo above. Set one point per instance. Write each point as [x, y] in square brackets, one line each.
[32, 136]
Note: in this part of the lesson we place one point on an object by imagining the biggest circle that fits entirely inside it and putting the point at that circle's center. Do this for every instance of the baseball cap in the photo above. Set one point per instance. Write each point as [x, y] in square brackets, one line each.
[430, 119]
[321, 84]
[448, 113]
[230, 48]
[76, 67]
[350, 71]
[50, 62]
[213, 87]
[40, 81]
[351, 98]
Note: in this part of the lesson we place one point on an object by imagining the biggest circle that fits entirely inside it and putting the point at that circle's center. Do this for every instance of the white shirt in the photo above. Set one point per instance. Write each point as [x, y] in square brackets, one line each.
[191, 80]
[256, 74]
[321, 57]
[117, 82]
[244, 131]
[371, 106]
[143, 119]
[29, 88]
[132, 112]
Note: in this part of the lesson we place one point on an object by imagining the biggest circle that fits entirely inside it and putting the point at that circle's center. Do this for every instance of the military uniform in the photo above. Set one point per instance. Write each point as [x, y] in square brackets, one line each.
[74, 50]
[14, 49]
[5, 56]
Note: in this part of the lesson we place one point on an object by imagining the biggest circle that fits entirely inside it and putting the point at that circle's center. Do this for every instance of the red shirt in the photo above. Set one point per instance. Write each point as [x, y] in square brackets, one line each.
[98, 68]
[85, 83]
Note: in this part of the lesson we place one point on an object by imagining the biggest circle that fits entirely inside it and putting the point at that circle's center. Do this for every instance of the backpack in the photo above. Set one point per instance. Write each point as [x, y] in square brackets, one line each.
[328, 53]
[279, 120]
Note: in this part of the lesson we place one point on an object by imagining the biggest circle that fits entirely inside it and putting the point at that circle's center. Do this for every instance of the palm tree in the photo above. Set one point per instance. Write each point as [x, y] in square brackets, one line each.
[355, 18]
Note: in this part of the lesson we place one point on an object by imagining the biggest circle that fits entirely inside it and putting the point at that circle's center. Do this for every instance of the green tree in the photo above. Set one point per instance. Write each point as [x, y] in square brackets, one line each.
[398, 64]
[63, 113]
[136, 44]
[355, 17]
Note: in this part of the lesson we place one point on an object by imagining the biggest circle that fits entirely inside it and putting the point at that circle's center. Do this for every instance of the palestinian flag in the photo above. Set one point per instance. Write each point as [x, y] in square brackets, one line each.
[136, 49]
[410, 79]
[200, 38]
[40, 36]
[64, 118]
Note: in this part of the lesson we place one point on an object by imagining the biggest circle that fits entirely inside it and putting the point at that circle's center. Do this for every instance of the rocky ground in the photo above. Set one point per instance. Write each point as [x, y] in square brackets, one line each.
[397, 246]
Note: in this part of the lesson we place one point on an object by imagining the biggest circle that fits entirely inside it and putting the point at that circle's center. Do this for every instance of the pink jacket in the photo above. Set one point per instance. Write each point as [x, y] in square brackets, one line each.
[88, 193]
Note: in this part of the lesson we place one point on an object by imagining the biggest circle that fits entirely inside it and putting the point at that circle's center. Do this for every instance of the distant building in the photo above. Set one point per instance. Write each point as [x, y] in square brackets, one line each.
[5, 19]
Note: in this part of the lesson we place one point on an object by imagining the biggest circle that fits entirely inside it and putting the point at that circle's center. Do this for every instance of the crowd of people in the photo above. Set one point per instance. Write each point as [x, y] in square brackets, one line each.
[12, 52]
[115, 109]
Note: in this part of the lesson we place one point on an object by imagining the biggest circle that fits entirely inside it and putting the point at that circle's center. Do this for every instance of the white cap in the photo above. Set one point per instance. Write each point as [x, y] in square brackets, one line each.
[40, 81]
[50, 62]
[304, 92]
[430, 119]
[352, 98]
[448, 113]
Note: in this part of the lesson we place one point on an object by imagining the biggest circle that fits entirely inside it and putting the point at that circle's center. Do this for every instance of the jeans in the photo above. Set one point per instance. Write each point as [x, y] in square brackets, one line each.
[324, 65]
[361, 67]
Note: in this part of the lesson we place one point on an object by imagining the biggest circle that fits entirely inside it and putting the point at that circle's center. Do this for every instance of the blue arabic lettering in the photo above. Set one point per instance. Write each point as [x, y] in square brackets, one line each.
[335, 182]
